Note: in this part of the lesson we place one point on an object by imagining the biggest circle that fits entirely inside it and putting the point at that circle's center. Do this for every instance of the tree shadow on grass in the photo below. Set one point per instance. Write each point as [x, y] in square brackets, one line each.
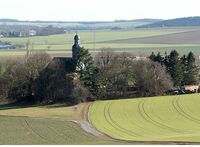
[16, 105]
[20, 105]
[56, 105]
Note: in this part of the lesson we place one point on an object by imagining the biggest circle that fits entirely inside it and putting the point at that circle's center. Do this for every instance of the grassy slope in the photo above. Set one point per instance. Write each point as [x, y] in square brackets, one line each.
[62, 112]
[169, 118]
[26, 130]
[45, 125]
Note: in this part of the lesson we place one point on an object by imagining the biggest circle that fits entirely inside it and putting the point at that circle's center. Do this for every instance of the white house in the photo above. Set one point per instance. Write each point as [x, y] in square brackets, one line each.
[32, 33]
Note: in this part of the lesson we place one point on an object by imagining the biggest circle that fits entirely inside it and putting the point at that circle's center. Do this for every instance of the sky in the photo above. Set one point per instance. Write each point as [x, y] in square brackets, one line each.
[97, 10]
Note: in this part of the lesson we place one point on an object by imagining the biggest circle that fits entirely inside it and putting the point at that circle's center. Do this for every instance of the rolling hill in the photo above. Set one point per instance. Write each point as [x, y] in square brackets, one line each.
[80, 25]
[168, 118]
[178, 22]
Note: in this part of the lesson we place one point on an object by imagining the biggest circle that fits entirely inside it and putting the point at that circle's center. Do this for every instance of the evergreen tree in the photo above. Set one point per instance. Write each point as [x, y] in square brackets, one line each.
[86, 69]
[152, 56]
[156, 58]
[166, 61]
[184, 60]
[191, 70]
[159, 58]
[176, 68]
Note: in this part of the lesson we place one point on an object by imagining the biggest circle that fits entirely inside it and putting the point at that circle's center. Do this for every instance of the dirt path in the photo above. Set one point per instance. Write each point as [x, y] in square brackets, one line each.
[85, 124]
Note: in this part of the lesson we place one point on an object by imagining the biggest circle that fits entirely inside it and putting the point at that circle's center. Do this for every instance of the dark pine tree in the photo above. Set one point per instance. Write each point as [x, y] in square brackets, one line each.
[191, 70]
[152, 56]
[176, 68]
[86, 69]
[159, 58]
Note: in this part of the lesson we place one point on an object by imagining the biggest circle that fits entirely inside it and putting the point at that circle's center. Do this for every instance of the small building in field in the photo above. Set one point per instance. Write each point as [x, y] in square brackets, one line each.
[191, 88]
[32, 33]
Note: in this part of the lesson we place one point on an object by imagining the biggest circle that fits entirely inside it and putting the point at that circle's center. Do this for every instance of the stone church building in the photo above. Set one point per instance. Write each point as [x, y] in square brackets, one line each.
[70, 63]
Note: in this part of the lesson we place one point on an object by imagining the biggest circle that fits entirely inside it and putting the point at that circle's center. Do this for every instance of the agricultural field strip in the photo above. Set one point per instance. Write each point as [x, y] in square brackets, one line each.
[148, 121]
[188, 37]
[87, 37]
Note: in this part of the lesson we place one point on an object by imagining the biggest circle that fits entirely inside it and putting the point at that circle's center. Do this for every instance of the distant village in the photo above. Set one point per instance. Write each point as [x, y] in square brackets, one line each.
[16, 31]
[18, 34]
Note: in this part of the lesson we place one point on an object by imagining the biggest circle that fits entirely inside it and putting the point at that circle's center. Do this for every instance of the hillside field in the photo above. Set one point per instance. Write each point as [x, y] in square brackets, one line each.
[36, 131]
[48, 124]
[136, 41]
[168, 118]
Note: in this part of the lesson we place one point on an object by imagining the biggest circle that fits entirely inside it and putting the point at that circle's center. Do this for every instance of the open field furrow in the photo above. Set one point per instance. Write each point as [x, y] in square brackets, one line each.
[152, 119]
[133, 121]
[39, 131]
[164, 126]
[113, 123]
[32, 130]
[110, 123]
[118, 125]
[191, 116]
[57, 133]
[156, 117]
[182, 112]
[191, 111]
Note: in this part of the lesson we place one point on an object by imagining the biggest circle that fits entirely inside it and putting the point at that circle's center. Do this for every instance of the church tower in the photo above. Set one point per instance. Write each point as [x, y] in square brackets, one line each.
[75, 48]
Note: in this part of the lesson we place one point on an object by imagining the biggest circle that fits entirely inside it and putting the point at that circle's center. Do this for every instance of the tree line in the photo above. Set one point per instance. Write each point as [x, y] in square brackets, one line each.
[38, 79]
[183, 70]
[108, 75]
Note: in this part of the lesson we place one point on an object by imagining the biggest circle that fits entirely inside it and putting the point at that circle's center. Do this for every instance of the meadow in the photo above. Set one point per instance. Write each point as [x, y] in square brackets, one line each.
[167, 118]
[121, 40]
[38, 131]
[46, 124]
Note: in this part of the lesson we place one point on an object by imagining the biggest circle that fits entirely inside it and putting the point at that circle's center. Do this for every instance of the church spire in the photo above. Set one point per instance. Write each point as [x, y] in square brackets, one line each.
[76, 47]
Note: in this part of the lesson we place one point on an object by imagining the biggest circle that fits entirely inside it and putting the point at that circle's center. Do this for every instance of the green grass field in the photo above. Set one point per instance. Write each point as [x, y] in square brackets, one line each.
[104, 39]
[35, 131]
[168, 118]
[48, 124]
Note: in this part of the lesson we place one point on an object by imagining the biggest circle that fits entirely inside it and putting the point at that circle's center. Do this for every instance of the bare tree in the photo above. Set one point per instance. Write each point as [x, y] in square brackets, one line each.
[151, 78]
[103, 59]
